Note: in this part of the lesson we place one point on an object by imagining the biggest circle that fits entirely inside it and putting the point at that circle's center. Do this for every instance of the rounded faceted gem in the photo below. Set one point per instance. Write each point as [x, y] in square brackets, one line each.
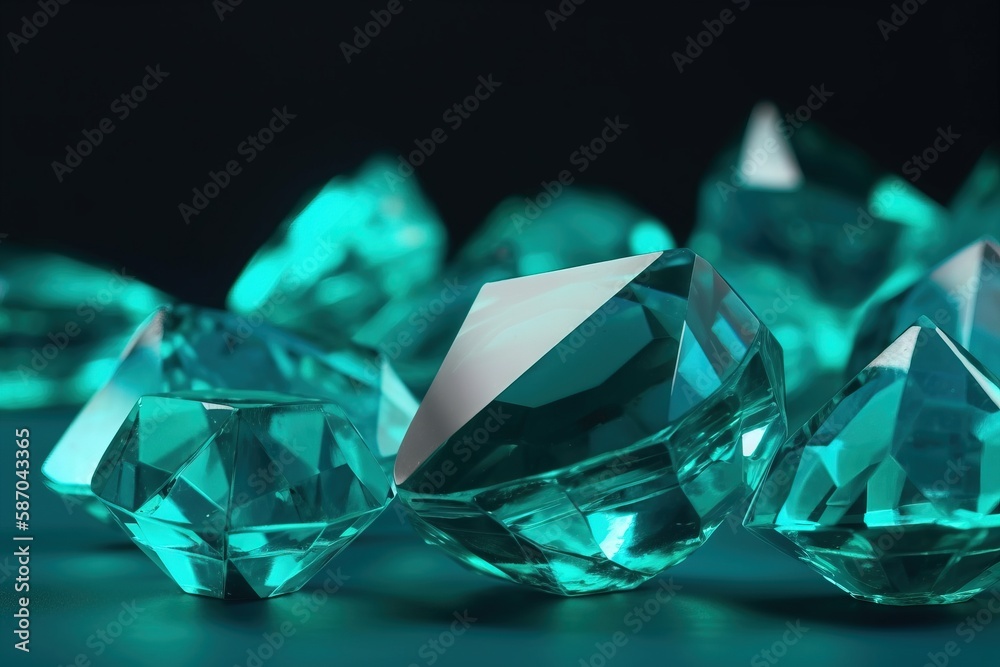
[591, 427]
[892, 490]
[240, 495]
[961, 296]
[185, 347]
[518, 238]
[362, 240]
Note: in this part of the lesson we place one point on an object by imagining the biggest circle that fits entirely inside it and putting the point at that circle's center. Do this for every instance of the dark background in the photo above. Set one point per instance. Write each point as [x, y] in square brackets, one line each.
[940, 69]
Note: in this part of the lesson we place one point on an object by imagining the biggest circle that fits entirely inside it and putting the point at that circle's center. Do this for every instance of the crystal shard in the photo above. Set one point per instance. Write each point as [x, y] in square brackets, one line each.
[62, 324]
[961, 296]
[240, 495]
[518, 238]
[185, 347]
[892, 490]
[592, 426]
[358, 243]
[975, 208]
[808, 230]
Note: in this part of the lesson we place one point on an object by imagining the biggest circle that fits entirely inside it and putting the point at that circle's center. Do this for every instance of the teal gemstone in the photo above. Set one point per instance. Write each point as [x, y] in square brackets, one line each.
[591, 427]
[892, 490]
[808, 230]
[518, 238]
[189, 348]
[240, 495]
[62, 324]
[961, 296]
[358, 243]
[975, 208]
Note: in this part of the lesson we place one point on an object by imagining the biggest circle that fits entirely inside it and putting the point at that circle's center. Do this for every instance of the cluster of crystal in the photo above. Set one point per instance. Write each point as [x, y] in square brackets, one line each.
[185, 347]
[240, 495]
[892, 490]
[591, 427]
[62, 324]
[808, 231]
[519, 238]
[358, 243]
[961, 296]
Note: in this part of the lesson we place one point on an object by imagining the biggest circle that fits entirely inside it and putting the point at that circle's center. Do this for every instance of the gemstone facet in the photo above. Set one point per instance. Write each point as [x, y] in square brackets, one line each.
[808, 230]
[518, 238]
[961, 296]
[62, 324]
[240, 495]
[186, 347]
[892, 490]
[591, 427]
[358, 243]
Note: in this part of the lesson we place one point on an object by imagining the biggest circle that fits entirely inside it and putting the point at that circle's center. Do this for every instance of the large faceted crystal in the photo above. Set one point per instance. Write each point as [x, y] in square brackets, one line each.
[185, 347]
[62, 324]
[240, 495]
[358, 243]
[518, 238]
[892, 490]
[591, 427]
[808, 230]
[961, 296]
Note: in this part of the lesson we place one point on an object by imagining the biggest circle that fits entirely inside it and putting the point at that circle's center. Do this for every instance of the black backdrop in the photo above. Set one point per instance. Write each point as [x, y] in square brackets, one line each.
[120, 205]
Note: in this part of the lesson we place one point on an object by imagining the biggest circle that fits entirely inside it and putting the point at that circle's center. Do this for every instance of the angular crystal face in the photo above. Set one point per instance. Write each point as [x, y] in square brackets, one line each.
[519, 238]
[358, 243]
[186, 347]
[807, 231]
[592, 426]
[240, 495]
[892, 490]
[961, 296]
[62, 324]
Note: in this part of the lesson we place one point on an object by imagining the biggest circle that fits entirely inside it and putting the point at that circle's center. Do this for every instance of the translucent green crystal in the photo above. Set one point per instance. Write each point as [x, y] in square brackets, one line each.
[975, 208]
[518, 238]
[591, 427]
[185, 347]
[961, 296]
[808, 231]
[892, 490]
[358, 243]
[240, 495]
[62, 324]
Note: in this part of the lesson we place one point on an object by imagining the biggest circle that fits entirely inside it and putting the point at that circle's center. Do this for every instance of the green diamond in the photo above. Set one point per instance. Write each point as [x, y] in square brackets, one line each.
[808, 230]
[240, 495]
[591, 427]
[358, 243]
[62, 324]
[519, 238]
[185, 347]
[961, 296]
[892, 490]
